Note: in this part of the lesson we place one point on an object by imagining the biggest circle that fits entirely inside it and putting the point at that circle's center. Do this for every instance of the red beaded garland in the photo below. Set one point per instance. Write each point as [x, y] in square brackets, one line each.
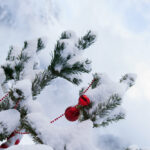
[84, 100]
[72, 113]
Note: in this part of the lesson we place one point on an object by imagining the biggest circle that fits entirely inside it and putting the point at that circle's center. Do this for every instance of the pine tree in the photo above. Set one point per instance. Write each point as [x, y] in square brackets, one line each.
[23, 79]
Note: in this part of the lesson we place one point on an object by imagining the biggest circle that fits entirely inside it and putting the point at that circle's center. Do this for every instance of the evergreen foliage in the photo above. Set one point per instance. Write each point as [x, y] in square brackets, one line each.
[65, 63]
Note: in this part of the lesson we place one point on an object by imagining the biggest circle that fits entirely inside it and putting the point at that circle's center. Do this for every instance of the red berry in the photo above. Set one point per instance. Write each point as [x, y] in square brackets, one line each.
[72, 113]
[17, 142]
[84, 100]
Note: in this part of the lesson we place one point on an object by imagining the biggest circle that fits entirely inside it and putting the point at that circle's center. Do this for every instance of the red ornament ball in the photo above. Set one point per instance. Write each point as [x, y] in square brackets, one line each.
[72, 113]
[84, 100]
[17, 142]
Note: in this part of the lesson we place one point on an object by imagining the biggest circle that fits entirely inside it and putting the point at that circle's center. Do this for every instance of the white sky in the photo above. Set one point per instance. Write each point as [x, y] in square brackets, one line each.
[123, 29]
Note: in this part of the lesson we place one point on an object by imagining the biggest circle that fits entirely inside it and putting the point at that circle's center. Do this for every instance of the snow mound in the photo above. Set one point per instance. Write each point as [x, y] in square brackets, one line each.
[30, 147]
[69, 136]
[10, 118]
[2, 76]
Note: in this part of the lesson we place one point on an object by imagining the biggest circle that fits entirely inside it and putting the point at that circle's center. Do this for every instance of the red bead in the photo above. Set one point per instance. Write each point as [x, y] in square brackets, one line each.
[4, 146]
[84, 100]
[72, 113]
[17, 142]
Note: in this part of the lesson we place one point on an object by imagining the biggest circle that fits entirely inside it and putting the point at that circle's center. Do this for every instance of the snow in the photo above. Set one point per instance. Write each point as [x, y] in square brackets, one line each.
[135, 147]
[130, 79]
[30, 147]
[103, 93]
[25, 87]
[2, 79]
[2, 76]
[58, 67]
[33, 106]
[1, 92]
[70, 48]
[15, 52]
[112, 114]
[10, 119]
[105, 90]
[30, 51]
[71, 34]
[71, 136]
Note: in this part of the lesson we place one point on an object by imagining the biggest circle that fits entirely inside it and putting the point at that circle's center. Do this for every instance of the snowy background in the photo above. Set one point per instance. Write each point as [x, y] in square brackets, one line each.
[122, 46]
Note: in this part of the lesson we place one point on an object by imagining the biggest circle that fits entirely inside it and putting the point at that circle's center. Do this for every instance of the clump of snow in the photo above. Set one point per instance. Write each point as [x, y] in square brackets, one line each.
[10, 118]
[33, 106]
[129, 79]
[1, 92]
[76, 137]
[2, 76]
[30, 147]
[58, 67]
[70, 48]
[71, 34]
[30, 51]
[111, 142]
[25, 86]
[33, 62]
[74, 76]
[105, 90]
[134, 147]
[15, 52]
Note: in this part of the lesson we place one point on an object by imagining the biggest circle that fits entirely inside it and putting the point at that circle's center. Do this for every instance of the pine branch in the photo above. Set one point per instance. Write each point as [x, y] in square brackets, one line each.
[4, 105]
[19, 60]
[4, 133]
[102, 110]
[40, 45]
[13, 72]
[41, 81]
[95, 83]
[86, 40]
[9, 57]
[109, 120]
[105, 109]
[26, 125]
[129, 79]
[66, 70]
[9, 72]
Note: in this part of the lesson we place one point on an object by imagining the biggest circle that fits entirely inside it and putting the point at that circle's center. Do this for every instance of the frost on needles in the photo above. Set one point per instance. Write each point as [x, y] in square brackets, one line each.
[23, 78]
